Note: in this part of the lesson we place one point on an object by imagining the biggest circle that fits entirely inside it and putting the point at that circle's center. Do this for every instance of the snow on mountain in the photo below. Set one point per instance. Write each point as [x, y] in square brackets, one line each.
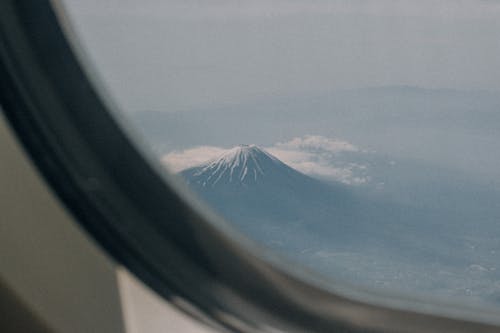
[337, 228]
[242, 165]
[264, 196]
[270, 200]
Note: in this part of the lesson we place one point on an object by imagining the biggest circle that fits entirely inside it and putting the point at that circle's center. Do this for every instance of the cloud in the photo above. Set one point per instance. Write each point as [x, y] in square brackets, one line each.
[180, 160]
[320, 167]
[321, 157]
[317, 143]
[313, 155]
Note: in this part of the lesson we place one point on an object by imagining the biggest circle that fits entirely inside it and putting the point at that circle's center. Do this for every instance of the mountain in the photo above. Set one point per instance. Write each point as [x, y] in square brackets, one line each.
[246, 166]
[270, 200]
[282, 207]
[335, 229]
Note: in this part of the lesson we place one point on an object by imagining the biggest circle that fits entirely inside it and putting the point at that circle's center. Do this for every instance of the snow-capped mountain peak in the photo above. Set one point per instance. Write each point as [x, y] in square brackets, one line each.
[243, 164]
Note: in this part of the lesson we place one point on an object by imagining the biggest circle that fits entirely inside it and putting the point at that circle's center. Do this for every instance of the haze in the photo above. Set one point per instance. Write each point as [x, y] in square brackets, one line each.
[179, 55]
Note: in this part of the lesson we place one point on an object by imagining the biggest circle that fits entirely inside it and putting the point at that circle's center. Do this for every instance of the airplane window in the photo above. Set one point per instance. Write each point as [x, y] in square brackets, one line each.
[359, 140]
[352, 144]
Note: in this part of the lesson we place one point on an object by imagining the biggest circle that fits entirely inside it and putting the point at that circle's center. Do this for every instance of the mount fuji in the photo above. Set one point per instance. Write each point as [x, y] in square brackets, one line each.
[336, 229]
[270, 200]
[243, 165]
[248, 166]
[282, 207]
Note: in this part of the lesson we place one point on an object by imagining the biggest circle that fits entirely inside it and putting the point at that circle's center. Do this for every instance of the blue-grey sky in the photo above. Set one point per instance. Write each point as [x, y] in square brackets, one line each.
[224, 72]
[179, 55]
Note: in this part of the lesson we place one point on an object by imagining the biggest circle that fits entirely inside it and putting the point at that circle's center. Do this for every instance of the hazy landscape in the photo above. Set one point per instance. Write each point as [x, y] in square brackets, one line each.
[420, 213]
[372, 130]
[444, 245]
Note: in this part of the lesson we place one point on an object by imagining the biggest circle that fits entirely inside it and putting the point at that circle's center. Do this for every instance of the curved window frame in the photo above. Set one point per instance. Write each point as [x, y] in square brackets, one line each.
[128, 205]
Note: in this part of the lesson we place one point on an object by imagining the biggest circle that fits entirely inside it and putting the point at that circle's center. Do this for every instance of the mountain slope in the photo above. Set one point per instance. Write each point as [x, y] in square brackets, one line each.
[264, 196]
[275, 203]
[249, 167]
[311, 220]
[240, 166]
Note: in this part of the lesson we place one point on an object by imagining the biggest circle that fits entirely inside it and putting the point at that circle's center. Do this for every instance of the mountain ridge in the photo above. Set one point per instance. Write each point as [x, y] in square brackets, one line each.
[243, 165]
[263, 196]
[291, 211]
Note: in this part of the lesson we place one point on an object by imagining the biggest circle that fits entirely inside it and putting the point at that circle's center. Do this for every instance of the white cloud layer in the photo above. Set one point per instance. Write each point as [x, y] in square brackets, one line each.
[313, 155]
[180, 160]
[317, 143]
[318, 156]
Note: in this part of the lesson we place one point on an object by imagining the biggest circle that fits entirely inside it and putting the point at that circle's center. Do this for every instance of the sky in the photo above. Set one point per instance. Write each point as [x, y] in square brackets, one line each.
[180, 55]
[285, 68]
